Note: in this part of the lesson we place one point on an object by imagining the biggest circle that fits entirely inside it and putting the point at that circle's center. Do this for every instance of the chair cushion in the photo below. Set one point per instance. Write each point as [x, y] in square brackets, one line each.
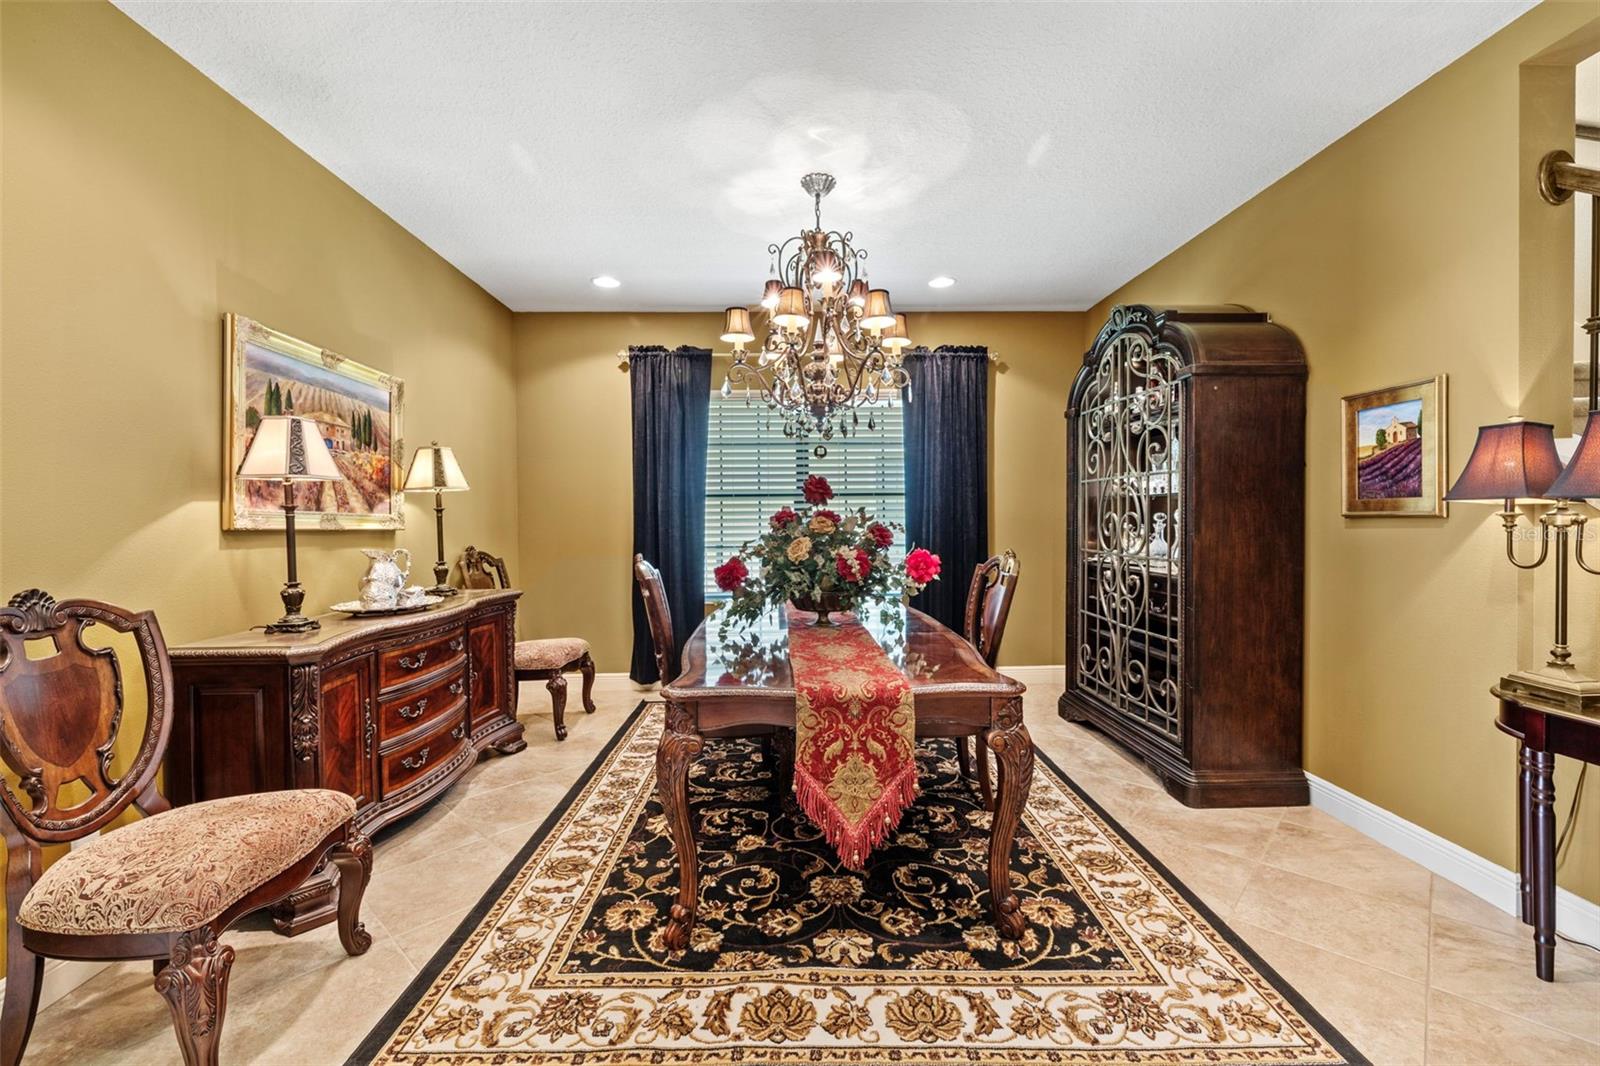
[179, 869]
[549, 654]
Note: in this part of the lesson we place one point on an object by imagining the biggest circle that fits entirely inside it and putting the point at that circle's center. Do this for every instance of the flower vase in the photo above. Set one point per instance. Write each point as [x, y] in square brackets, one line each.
[820, 607]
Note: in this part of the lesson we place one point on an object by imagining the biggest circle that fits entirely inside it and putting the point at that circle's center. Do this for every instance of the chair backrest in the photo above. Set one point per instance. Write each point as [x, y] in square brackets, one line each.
[480, 570]
[659, 613]
[60, 710]
[994, 586]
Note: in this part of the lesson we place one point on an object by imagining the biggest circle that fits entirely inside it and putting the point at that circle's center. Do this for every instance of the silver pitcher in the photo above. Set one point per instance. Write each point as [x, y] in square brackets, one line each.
[385, 577]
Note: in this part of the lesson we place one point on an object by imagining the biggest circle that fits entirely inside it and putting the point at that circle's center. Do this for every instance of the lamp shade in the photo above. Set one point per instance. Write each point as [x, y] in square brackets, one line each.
[1581, 479]
[435, 469]
[770, 293]
[791, 310]
[288, 448]
[1510, 460]
[878, 313]
[827, 269]
[736, 325]
[858, 293]
[895, 336]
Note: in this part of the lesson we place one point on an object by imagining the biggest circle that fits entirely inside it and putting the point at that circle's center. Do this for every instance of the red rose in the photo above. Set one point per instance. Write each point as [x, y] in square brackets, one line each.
[832, 516]
[783, 516]
[922, 566]
[731, 574]
[881, 534]
[817, 490]
[852, 563]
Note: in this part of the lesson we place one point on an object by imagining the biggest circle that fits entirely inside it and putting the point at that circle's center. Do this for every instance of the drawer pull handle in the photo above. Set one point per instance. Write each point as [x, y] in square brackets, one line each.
[414, 663]
[455, 688]
[457, 644]
[459, 732]
[407, 712]
[417, 761]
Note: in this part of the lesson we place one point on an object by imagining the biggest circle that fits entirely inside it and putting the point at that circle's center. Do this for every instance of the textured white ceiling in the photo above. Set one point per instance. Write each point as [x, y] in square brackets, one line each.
[1042, 154]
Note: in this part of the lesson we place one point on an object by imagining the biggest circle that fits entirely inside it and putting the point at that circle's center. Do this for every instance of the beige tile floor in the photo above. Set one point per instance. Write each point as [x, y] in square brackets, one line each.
[1410, 967]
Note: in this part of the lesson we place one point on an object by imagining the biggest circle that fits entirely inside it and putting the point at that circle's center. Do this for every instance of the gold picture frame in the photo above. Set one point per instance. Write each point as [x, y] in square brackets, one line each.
[359, 408]
[1392, 451]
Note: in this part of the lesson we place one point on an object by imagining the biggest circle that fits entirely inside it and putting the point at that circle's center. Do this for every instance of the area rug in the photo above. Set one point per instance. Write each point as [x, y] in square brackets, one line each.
[796, 959]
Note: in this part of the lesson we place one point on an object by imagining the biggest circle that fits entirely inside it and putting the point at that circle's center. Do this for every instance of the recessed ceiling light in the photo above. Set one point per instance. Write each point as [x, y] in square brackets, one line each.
[606, 281]
[943, 281]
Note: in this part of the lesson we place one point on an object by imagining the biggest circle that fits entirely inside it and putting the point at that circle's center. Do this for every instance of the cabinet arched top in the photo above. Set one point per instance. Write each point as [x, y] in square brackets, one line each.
[1220, 339]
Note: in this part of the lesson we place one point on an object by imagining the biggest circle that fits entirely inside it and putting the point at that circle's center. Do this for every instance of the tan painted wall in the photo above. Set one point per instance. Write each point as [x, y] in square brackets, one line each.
[140, 202]
[1400, 252]
[575, 463]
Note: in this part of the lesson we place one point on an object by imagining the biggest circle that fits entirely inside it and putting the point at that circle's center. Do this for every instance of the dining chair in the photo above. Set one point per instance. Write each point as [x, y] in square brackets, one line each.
[989, 597]
[778, 742]
[549, 659]
[164, 887]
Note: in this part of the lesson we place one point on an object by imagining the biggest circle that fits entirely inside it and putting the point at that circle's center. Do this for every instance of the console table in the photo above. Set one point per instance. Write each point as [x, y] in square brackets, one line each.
[1542, 732]
[390, 710]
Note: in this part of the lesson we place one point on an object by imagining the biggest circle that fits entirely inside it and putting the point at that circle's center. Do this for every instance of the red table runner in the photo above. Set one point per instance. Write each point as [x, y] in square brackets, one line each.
[855, 765]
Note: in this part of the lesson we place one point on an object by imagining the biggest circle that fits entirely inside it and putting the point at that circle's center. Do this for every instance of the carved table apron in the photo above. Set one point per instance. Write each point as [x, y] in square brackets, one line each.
[741, 686]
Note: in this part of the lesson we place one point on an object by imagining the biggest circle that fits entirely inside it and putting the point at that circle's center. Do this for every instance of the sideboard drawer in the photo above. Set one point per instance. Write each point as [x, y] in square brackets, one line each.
[410, 761]
[401, 714]
[408, 662]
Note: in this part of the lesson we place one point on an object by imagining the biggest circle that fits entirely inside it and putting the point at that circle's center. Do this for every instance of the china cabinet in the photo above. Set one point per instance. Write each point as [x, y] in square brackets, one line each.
[1185, 515]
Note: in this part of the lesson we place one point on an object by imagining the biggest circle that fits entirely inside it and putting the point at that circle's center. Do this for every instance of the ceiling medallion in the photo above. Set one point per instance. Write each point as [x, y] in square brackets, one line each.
[833, 344]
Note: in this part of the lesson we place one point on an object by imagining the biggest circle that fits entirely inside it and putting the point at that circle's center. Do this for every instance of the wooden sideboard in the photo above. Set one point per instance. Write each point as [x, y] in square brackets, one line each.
[392, 711]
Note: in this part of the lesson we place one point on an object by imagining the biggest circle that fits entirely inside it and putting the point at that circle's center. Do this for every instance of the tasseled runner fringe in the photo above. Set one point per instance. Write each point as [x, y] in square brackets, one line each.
[855, 843]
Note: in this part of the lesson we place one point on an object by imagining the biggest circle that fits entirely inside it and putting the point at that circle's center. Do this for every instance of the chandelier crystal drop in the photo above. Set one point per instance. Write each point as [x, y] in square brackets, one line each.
[830, 343]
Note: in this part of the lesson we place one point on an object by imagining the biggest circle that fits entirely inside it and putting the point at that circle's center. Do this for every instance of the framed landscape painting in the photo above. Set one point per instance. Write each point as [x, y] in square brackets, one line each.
[356, 408]
[1393, 451]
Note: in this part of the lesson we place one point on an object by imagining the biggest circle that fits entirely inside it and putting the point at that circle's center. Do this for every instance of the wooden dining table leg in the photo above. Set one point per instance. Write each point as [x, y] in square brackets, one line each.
[1013, 749]
[680, 743]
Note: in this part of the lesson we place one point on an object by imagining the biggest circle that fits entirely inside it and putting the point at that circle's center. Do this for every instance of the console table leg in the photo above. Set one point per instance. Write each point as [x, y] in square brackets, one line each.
[680, 743]
[1524, 833]
[1544, 865]
[1013, 749]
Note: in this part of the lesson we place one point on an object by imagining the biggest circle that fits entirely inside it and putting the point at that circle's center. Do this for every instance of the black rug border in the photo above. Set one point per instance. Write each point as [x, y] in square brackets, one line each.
[380, 1034]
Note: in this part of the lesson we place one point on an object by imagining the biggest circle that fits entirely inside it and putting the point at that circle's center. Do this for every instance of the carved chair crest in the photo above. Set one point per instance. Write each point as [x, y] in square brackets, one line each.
[60, 713]
[480, 570]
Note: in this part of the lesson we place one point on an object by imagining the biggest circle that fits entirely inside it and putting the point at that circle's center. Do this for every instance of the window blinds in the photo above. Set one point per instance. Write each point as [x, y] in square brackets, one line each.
[752, 469]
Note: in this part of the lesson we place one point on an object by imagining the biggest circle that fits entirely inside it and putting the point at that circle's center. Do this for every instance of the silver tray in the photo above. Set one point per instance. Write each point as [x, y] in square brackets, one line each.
[354, 609]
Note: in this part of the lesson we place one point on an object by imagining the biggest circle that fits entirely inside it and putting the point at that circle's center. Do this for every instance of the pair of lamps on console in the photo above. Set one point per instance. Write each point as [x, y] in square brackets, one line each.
[1517, 460]
[290, 449]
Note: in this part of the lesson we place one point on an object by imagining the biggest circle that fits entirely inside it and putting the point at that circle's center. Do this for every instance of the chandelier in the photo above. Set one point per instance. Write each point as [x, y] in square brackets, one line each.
[832, 344]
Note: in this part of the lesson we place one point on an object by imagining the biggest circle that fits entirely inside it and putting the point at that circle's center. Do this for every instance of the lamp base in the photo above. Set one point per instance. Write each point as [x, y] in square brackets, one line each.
[1563, 690]
[443, 590]
[294, 623]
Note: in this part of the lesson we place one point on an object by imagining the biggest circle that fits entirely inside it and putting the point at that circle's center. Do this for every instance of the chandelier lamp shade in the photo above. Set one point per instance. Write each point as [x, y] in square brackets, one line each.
[828, 342]
[1517, 460]
[434, 469]
[289, 449]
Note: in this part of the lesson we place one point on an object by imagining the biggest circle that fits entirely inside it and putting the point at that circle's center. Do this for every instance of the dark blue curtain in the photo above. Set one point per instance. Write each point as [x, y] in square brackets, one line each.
[671, 416]
[947, 470]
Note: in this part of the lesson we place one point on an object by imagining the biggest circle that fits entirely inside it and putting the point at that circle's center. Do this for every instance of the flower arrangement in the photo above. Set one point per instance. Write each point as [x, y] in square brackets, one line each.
[821, 561]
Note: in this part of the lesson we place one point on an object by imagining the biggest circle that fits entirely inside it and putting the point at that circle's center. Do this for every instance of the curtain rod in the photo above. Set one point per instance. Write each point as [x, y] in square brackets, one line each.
[623, 362]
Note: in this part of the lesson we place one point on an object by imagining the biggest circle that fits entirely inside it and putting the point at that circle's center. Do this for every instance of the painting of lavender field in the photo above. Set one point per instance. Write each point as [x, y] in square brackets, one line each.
[1389, 451]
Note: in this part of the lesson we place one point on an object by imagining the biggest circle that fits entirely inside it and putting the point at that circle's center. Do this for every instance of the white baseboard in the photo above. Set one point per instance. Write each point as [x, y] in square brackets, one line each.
[1576, 917]
[60, 977]
[1037, 675]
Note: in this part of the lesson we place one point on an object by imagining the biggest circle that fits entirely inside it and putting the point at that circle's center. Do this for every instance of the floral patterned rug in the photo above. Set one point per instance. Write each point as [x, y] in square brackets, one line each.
[796, 959]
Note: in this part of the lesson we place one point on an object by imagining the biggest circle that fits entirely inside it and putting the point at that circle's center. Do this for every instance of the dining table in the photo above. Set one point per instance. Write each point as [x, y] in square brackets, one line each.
[735, 681]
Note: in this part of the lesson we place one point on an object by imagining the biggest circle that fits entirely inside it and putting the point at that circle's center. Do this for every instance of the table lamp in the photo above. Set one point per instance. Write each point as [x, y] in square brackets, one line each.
[435, 469]
[1517, 460]
[289, 449]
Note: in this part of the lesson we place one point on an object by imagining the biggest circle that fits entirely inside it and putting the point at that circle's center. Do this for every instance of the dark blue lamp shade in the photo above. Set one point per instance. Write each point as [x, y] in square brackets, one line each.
[1511, 460]
[1581, 479]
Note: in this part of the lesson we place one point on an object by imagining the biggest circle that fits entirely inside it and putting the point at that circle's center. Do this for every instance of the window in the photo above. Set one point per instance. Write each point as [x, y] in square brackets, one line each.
[752, 469]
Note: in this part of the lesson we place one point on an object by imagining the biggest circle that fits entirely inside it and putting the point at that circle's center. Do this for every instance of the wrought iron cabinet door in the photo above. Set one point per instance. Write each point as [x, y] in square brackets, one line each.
[1186, 549]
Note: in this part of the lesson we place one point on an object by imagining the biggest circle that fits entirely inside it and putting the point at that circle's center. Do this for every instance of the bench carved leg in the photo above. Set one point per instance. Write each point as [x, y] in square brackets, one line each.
[558, 704]
[586, 668]
[354, 860]
[194, 983]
